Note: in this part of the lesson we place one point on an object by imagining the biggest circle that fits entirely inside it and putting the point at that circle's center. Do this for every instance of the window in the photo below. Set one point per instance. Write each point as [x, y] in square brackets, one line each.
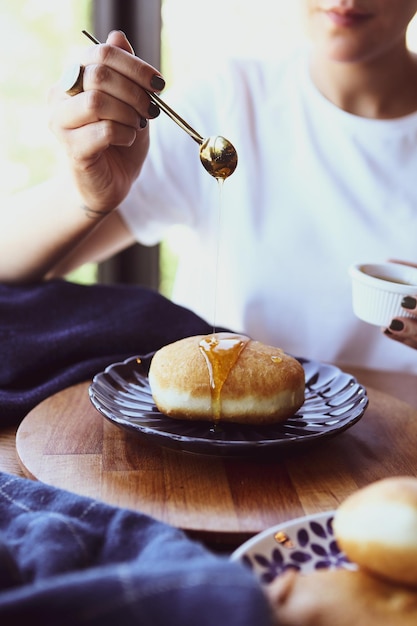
[37, 40]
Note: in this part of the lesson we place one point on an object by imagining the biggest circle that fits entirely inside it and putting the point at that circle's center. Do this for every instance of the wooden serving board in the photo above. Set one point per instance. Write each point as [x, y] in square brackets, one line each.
[65, 442]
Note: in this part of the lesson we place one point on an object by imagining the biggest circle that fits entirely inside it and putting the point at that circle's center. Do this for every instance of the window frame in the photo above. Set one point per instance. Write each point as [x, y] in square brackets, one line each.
[142, 22]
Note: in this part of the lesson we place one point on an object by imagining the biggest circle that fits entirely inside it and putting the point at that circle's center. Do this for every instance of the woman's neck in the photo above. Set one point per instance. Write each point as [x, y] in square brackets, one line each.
[381, 89]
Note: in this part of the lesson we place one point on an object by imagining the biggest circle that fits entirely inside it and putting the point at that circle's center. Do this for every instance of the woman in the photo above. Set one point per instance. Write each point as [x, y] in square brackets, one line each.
[327, 145]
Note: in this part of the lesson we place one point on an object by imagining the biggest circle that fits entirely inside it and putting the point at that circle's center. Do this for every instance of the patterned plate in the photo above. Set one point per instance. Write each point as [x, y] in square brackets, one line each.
[304, 544]
[334, 401]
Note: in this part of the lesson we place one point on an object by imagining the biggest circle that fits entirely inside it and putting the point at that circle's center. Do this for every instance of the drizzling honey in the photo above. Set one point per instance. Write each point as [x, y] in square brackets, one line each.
[217, 263]
[221, 351]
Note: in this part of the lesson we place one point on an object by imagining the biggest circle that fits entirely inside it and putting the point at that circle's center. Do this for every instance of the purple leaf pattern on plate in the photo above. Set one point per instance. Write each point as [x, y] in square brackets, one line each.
[311, 547]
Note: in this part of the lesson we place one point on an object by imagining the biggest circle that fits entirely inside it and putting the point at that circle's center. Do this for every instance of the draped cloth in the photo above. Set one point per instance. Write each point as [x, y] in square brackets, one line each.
[70, 560]
[55, 334]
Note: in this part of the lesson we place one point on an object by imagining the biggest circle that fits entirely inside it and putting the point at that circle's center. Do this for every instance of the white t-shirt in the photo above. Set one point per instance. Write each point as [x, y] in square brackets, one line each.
[316, 189]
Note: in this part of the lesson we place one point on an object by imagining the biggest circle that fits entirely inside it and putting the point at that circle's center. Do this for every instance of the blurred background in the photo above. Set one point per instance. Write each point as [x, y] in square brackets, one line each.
[38, 38]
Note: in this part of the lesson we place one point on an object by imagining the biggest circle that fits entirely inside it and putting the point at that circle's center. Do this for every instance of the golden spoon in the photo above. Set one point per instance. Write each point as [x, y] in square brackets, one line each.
[217, 154]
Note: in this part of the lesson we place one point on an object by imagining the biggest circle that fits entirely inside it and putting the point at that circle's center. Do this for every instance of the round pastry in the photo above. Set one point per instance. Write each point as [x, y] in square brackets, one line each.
[226, 377]
[376, 527]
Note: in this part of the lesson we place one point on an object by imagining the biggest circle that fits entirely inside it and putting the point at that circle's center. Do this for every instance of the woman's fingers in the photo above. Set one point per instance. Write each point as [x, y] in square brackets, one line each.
[404, 329]
[107, 95]
[119, 39]
[105, 80]
[100, 81]
[398, 261]
[88, 142]
[87, 131]
[123, 62]
[94, 106]
[110, 111]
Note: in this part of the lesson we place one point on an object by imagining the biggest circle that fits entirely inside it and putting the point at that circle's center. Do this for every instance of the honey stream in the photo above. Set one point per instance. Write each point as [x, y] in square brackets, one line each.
[221, 350]
[220, 182]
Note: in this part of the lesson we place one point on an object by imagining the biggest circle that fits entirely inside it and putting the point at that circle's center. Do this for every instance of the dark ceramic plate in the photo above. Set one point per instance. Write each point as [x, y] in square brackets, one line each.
[334, 401]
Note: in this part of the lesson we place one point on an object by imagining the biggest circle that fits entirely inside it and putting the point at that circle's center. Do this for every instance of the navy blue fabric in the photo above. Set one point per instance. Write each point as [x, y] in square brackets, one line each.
[55, 334]
[70, 560]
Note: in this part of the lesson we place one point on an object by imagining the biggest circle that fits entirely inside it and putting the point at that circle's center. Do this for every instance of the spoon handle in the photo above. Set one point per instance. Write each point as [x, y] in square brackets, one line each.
[175, 117]
[162, 105]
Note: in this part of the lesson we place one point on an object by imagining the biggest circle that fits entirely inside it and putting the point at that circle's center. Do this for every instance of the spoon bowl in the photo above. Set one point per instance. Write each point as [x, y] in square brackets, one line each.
[218, 156]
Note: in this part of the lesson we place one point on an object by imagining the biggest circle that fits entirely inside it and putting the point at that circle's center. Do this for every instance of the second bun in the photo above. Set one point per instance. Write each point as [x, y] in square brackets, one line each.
[376, 527]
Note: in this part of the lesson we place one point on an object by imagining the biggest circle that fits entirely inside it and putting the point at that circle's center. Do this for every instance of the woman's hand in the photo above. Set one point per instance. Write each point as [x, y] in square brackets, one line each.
[404, 329]
[104, 128]
[342, 598]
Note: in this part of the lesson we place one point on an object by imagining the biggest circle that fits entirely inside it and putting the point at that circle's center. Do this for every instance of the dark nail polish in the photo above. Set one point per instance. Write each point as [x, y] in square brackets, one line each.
[408, 302]
[153, 110]
[396, 325]
[157, 83]
[143, 122]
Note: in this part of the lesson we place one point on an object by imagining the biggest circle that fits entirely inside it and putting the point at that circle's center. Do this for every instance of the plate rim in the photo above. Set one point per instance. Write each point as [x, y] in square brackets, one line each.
[241, 550]
[313, 546]
[219, 446]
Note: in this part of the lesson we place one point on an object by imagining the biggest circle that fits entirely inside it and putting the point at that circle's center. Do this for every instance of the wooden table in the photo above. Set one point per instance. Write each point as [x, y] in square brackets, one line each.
[66, 442]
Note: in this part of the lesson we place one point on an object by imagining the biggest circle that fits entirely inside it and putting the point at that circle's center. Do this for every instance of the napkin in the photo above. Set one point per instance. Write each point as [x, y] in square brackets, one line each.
[70, 560]
[55, 334]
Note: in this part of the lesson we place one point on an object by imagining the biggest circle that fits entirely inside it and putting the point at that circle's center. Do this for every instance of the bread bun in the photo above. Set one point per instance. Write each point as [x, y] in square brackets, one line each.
[376, 527]
[226, 377]
[340, 597]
